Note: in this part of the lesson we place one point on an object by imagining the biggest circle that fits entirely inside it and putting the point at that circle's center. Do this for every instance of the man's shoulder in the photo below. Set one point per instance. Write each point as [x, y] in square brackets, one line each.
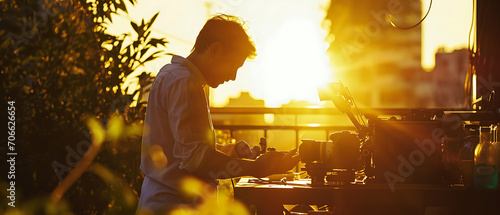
[174, 71]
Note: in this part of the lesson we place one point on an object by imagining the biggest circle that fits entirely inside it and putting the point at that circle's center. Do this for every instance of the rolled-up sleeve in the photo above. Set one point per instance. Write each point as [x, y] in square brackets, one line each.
[190, 122]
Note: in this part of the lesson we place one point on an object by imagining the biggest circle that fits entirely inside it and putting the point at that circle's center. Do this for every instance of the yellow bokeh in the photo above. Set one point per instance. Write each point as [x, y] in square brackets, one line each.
[212, 202]
[158, 156]
[115, 128]
[97, 131]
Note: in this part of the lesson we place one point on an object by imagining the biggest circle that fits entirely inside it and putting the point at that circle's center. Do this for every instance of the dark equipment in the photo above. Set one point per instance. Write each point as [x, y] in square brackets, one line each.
[337, 159]
[404, 151]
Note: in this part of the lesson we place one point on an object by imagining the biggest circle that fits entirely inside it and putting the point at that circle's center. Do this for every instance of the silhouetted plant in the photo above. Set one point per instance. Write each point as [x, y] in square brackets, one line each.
[61, 67]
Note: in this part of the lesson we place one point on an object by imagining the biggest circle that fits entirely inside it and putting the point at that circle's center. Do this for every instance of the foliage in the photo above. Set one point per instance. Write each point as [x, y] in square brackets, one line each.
[61, 67]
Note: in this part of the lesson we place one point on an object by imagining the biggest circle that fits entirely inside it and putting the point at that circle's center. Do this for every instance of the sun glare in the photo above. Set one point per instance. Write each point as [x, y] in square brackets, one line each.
[293, 63]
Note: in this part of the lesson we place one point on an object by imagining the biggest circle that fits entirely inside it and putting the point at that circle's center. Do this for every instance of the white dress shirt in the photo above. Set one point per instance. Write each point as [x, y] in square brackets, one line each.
[178, 121]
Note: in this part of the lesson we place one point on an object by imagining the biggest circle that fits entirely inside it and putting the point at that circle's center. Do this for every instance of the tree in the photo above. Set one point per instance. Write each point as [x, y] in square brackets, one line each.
[61, 67]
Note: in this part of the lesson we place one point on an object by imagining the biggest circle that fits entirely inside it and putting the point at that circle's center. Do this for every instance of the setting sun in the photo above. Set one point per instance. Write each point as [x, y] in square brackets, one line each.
[294, 63]
[291, 60]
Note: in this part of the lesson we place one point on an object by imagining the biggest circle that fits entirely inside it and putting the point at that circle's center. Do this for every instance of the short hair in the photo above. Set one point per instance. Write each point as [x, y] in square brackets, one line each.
[227, 30]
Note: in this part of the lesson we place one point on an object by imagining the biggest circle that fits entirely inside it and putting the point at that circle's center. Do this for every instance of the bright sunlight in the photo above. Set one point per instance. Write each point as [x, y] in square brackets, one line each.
[294, 63]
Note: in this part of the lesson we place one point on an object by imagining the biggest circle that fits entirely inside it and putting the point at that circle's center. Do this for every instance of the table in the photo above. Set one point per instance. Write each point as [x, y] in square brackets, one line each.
[368, 199]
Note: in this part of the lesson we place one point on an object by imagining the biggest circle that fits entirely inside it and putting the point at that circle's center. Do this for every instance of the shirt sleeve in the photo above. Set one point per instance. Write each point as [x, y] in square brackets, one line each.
[190, 122]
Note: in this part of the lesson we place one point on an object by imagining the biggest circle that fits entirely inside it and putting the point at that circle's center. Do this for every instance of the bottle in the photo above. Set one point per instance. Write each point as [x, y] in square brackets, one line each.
[467, 154]
[485, 162]
[496, 145]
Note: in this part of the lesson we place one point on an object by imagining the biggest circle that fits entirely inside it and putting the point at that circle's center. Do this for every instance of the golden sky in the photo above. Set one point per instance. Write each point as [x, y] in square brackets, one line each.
[446, 26]
[291, 61]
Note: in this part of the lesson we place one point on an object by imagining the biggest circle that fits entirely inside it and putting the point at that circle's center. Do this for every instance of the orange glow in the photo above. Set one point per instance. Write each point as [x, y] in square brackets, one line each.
[474, 87]
[269, 118]
[313, 125]
[293, 63]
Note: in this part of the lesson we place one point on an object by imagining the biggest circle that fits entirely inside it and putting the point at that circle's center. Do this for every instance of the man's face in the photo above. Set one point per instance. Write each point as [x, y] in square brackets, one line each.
[225, 63]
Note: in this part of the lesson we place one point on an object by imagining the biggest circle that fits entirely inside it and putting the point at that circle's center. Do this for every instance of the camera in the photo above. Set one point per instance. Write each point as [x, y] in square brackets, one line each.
[392, 151]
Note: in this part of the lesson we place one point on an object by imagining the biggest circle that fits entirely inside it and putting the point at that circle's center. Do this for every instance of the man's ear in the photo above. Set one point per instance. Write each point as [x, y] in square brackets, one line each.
[214, 49]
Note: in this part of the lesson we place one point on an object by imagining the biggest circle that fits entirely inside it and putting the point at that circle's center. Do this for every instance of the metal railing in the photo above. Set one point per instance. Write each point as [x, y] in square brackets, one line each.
[295, 112]
[370, 113]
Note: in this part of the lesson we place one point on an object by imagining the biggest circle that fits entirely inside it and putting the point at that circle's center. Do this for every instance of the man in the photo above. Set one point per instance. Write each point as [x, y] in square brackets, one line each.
[178, 125]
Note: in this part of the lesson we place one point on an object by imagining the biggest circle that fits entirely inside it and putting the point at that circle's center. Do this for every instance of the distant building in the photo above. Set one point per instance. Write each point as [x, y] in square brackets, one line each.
[375, 60]
[446, 81]
[245, 100]
[444, 86]
[449, 77]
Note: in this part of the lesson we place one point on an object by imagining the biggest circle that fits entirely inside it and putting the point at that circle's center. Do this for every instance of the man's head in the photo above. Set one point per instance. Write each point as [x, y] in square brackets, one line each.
[224, 45]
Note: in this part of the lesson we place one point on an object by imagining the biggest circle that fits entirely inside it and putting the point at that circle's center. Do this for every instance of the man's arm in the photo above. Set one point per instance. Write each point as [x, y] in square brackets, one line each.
[239, 150]
[191, 127]
[189, 122]
[217, 165]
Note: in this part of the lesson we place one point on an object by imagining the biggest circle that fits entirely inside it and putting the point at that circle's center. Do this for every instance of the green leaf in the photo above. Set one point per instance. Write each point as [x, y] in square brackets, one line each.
[147, 35]
[136, 43]
[155, 42]
[136, 28]
[143, 51]
[121, 5]
[152, 20]
[152, 56]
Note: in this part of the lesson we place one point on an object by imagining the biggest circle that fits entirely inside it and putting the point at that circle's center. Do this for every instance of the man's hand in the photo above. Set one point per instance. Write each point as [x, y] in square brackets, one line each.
[275, 163]
[239, 150]
[218, 165]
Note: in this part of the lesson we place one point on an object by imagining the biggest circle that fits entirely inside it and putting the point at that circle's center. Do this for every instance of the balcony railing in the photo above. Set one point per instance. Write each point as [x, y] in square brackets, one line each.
[295, 126]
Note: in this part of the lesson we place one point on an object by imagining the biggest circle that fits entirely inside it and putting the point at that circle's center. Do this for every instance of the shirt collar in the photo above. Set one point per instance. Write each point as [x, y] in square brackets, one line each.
[191, 67]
